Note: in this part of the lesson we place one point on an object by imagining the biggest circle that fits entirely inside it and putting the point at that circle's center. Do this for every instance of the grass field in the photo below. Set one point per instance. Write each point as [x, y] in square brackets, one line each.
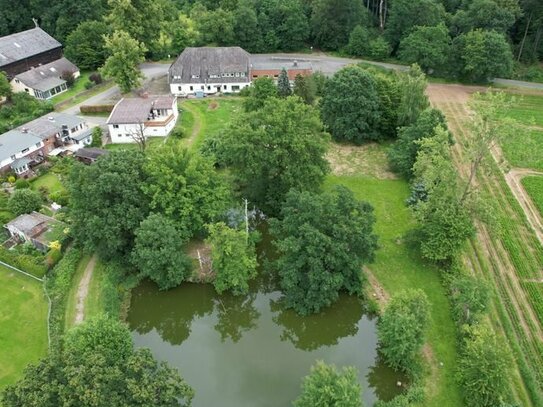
[77, 87]
[23, 324]
[525, 150]
[398, 268]
[527, 109]
[207, 117]
[151, 141]
[50, 181]
[534, 187]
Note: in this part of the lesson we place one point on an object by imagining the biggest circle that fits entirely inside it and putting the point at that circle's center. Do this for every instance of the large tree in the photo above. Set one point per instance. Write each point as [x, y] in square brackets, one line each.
[350, 106]
[403, 153]
[185, 188]
[246, 26]
[444, 218]
[322, 241]
[125, 55]
[401, 329]
[427, 46]
[413, 96]
[158, 252]
[24, 201]
[259, 92]
[484, 367]
[85, 45]
[234, 258]
[72, 13]
[107, 203]
[283, 84]
[404, 15]
[305, 88]
[333, 20]
[497, 15]
[326, 386]
[481, 55]
[97, 366]
[279, 147]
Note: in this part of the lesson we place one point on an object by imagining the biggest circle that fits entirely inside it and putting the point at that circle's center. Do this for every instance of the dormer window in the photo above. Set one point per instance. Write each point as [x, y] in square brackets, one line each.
[195, 76]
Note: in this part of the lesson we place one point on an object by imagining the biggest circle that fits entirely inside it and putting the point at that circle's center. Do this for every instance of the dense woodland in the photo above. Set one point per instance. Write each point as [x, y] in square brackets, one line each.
[472, 40]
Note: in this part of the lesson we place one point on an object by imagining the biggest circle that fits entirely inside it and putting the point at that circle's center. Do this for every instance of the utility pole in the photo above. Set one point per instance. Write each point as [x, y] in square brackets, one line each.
[246, 222]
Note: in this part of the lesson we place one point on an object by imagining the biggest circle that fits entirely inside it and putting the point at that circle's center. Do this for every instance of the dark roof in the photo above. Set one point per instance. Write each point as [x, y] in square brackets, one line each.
[27, 223]
[137, 110]
[90, 153]
[206, 61]
[264, 62]
[25, 44]
[51, 124]
[47, 76]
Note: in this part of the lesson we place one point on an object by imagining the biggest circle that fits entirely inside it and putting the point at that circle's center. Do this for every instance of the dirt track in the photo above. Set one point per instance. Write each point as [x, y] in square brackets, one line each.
[83, 290]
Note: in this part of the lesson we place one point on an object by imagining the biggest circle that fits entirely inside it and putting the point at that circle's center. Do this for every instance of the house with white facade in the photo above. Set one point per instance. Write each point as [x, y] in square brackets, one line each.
[210, 70]
[45, 81]
[31, 143]
[134, 118]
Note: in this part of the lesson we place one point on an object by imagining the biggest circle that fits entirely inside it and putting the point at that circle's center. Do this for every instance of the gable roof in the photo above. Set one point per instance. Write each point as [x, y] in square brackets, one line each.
[47, 76]
[91, 153]
[15, 141]
[25, 44]
[137, 110]
[51, 124]
[205, 61]
[27, 222]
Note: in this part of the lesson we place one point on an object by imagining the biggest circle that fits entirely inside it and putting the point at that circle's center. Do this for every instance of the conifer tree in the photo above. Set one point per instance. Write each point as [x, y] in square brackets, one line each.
[283, 84]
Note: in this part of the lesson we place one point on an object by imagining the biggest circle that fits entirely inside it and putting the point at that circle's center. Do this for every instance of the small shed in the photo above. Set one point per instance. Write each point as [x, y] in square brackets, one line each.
[33, 227]
[89, 155]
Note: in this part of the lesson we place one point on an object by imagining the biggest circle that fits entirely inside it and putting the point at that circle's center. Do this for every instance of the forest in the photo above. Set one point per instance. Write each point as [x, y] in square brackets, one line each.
[468, 40]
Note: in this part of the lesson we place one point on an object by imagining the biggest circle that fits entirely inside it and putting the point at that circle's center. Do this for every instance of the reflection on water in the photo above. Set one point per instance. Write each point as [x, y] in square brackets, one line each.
[249, 351]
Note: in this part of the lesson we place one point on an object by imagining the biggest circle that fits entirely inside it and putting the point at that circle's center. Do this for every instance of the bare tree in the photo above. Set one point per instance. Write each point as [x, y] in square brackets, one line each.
[138, 135]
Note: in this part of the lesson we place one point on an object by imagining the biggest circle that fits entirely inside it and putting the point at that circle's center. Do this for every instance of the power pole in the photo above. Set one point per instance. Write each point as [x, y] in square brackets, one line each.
[246, 221]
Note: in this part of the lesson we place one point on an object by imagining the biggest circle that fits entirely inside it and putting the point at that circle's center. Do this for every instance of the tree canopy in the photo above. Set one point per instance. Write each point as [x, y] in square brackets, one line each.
[322, 241]
[327, 386]
[85, 46]
[24, 201]
[276, 148]
[98, 366]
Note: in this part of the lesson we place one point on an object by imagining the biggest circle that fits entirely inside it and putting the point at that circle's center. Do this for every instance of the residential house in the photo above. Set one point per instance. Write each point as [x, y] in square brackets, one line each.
[29, 144]
[25, 50]
[210, 70]
[134, 118]
[34, 228]
[262, 66]
[45, 81]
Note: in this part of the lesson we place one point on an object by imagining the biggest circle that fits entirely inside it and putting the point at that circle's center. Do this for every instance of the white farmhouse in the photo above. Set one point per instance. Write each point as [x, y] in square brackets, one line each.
[204, 71]
[135, 118]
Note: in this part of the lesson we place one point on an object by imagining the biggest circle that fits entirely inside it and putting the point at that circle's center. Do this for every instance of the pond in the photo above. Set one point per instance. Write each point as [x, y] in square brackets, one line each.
[250, 351]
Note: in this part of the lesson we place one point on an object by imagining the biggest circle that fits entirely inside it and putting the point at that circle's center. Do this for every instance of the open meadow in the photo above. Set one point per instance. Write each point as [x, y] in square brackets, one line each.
[23, 324]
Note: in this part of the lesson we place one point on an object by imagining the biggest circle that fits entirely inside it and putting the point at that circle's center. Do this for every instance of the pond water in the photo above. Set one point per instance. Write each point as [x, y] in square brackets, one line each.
[250, 351]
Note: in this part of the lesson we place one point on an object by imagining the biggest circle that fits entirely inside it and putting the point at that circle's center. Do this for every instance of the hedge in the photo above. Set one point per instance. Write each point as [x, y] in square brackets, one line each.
[96, 108]
[26, 262]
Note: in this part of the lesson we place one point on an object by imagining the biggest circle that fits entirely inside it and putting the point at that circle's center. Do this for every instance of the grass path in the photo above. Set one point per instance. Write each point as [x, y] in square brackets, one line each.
[23, 324]
[508, 256]
[73, 296]
[194, 124]
[398, 268]
[83, 290]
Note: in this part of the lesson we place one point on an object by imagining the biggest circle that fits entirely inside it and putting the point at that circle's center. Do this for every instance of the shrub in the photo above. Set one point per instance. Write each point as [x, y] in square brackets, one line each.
[31, 264]
[97, 137]
[60, 197]
[96, 78]
[89, 85]
[96, 108]
[11, 179]
[53, 257]
[22, 184]
[379, 48]
[24, 201]
[68, 77]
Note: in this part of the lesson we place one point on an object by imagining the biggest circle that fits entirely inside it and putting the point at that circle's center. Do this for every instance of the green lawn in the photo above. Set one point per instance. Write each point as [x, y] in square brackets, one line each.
[527, 109]
[23, 324]
[534, 187]
[210, 116]
[398, 268]
[77, 87]
[525, 149]
[151, 141]
[50, 180]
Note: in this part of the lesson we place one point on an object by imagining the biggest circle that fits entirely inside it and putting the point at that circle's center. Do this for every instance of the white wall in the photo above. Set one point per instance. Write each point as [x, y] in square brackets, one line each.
[18, 155]
[182, 89]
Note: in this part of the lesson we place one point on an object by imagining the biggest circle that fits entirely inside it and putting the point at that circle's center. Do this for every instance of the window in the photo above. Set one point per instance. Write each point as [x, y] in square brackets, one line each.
[202, 87]
[191, 88]
[127, 135]
[276, 76]
[224, 87]
[115, 126]
[17, 81]
[25, 150]
[255, 76]
[235, 88]
[208, 87]
[195, 76]
[242, 74]
[237, 74]
[179, 88]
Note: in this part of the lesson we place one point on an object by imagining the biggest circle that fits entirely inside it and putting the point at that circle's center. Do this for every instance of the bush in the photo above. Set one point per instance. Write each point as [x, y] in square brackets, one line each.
[53, 257]
[31, 264]
[68, 77]
[88, 85]
[96, 78]
[97, 137]
[177, 132]
[24, 201]
[60, 197]
[96, 108]
[22, 184]
[379, 48]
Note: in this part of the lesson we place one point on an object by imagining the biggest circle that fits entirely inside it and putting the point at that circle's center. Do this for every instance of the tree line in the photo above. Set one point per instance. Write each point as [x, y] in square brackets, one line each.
[473, 40]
